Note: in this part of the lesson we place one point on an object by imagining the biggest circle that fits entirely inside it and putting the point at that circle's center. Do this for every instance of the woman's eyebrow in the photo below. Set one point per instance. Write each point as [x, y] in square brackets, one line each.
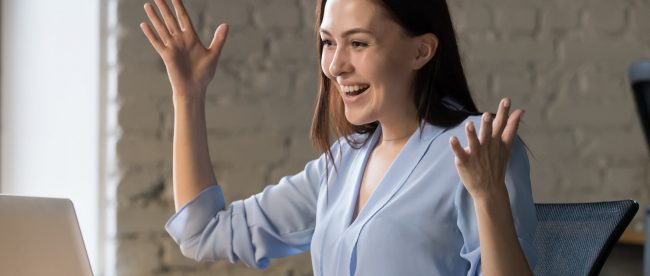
[350, 31]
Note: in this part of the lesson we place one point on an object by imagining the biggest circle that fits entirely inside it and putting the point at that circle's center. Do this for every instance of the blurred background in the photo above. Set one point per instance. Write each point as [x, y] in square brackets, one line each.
[86, 110]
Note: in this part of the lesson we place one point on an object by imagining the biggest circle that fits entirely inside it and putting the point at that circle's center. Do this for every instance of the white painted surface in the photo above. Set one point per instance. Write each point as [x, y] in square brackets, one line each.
[50, 108]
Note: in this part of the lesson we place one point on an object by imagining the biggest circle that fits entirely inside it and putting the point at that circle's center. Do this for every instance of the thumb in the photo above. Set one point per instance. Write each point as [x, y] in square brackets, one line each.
[219, 38]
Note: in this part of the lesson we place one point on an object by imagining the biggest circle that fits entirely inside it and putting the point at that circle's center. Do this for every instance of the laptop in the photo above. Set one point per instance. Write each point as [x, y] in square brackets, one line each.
[40, 236]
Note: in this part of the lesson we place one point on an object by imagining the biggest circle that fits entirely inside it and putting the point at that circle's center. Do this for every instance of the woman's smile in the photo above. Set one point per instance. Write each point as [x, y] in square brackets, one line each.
[353, 94]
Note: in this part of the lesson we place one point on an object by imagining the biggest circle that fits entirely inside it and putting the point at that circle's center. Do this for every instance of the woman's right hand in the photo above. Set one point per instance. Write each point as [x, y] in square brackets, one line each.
[190, 66]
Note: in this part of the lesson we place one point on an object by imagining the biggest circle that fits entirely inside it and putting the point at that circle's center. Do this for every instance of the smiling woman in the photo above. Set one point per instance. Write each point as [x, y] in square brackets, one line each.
[396, 193]
[386, 42]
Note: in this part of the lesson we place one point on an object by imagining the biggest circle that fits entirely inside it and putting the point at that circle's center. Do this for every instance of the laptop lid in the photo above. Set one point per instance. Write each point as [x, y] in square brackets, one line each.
[40, 236]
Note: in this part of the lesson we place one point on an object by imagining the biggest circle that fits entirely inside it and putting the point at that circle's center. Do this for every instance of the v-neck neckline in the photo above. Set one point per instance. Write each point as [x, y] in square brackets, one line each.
[369, 148]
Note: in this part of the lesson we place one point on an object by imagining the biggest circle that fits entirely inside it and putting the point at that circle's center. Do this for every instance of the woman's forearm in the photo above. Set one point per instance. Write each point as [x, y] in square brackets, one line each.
[192, 168]
[501, 253]
[190, 67]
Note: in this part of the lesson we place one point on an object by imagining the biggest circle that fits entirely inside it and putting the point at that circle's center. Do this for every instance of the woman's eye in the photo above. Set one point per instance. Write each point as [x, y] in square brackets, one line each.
[358, 44]
[326, 43]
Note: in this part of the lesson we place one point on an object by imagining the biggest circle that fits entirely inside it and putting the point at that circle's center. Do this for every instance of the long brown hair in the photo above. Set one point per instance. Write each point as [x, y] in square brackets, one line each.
[441, 77]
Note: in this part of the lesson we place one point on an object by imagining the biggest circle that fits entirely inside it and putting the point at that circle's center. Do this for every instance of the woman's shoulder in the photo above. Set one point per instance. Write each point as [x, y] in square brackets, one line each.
[459, 129]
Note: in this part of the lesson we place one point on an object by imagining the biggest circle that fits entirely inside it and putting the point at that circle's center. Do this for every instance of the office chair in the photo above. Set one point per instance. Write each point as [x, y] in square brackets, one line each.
[576, 238]
[639, 75]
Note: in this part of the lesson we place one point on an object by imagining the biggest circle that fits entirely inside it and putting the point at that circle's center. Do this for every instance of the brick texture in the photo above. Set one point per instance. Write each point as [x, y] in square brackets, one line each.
[565, 63]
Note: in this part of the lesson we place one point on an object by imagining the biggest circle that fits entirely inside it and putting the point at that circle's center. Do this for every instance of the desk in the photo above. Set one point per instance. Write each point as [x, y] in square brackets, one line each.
[632, 237]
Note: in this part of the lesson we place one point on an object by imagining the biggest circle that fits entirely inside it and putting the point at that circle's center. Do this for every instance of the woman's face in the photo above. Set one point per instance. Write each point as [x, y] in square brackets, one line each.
[367, 56]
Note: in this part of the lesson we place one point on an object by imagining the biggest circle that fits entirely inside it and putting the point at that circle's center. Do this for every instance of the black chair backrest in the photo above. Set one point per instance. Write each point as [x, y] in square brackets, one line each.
[639, 75]
[576, 238]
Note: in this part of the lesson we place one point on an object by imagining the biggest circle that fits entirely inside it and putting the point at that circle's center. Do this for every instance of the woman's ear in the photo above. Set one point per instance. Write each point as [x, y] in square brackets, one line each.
[426, 46]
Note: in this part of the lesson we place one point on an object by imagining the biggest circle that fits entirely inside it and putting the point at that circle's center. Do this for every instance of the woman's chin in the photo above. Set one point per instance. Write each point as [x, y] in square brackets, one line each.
[357, 119]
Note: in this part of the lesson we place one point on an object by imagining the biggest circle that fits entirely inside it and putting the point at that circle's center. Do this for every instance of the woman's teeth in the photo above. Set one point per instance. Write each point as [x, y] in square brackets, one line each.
[354, 90]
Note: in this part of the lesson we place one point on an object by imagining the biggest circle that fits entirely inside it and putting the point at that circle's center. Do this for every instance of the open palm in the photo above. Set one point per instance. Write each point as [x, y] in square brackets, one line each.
[190, 65]
[482, 164]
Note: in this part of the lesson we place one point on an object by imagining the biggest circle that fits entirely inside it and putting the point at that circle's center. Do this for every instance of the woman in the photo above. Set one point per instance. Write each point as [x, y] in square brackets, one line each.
[391, 196]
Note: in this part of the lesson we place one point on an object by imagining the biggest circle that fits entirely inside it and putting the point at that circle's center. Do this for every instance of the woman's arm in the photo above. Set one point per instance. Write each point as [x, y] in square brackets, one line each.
[190, 67]
[482, 168]
[275, 223]
[501, 253]
[192, 168]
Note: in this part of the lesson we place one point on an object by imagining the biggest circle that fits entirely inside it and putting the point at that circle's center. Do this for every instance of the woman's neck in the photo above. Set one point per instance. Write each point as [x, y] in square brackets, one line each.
[397, 132]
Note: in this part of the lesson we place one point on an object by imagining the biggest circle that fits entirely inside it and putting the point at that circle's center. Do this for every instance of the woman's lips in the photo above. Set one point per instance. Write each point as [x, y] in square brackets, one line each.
[352, 98]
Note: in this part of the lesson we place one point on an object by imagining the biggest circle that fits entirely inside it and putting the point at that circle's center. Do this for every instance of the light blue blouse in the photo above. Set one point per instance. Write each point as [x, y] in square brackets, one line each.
[419, 221]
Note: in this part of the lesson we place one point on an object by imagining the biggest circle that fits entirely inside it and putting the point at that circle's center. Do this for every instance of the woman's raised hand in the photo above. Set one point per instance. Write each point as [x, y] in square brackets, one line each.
[482, 165]
[190, 66]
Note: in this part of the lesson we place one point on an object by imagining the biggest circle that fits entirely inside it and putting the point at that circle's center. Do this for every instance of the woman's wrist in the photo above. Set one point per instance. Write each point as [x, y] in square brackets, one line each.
[494, 196]
[186, 99]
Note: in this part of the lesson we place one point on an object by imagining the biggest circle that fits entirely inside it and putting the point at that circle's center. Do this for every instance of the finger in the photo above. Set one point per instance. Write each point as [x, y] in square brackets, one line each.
[501, 118]
[472, 139]
[219, 38]
[163, 33]
[458, 150]
[511, 129]
[485, 134]
[170, 20]
[153, 39]
[183, 17]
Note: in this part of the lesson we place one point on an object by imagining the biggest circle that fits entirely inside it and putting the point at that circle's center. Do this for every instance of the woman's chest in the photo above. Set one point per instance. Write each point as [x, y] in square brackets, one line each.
[417, 219]
[377, 165]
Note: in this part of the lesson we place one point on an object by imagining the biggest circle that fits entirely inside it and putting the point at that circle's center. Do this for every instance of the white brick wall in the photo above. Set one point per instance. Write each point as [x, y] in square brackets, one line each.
[564, 62]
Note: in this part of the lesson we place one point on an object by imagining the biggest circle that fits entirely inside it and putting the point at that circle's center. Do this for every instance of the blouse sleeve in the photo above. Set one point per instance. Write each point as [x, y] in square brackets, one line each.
[275, 223]
[523, 211]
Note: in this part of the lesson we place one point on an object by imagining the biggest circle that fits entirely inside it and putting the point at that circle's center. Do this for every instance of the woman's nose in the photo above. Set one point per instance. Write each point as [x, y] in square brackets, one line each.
[340, 63]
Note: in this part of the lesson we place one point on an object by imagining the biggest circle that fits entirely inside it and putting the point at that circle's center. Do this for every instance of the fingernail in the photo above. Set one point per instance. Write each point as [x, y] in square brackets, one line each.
[487, 117]
[506, 102]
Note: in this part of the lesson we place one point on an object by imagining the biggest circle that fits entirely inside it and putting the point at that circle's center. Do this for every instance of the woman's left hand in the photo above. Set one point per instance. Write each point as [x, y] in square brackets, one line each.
[482, 165]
